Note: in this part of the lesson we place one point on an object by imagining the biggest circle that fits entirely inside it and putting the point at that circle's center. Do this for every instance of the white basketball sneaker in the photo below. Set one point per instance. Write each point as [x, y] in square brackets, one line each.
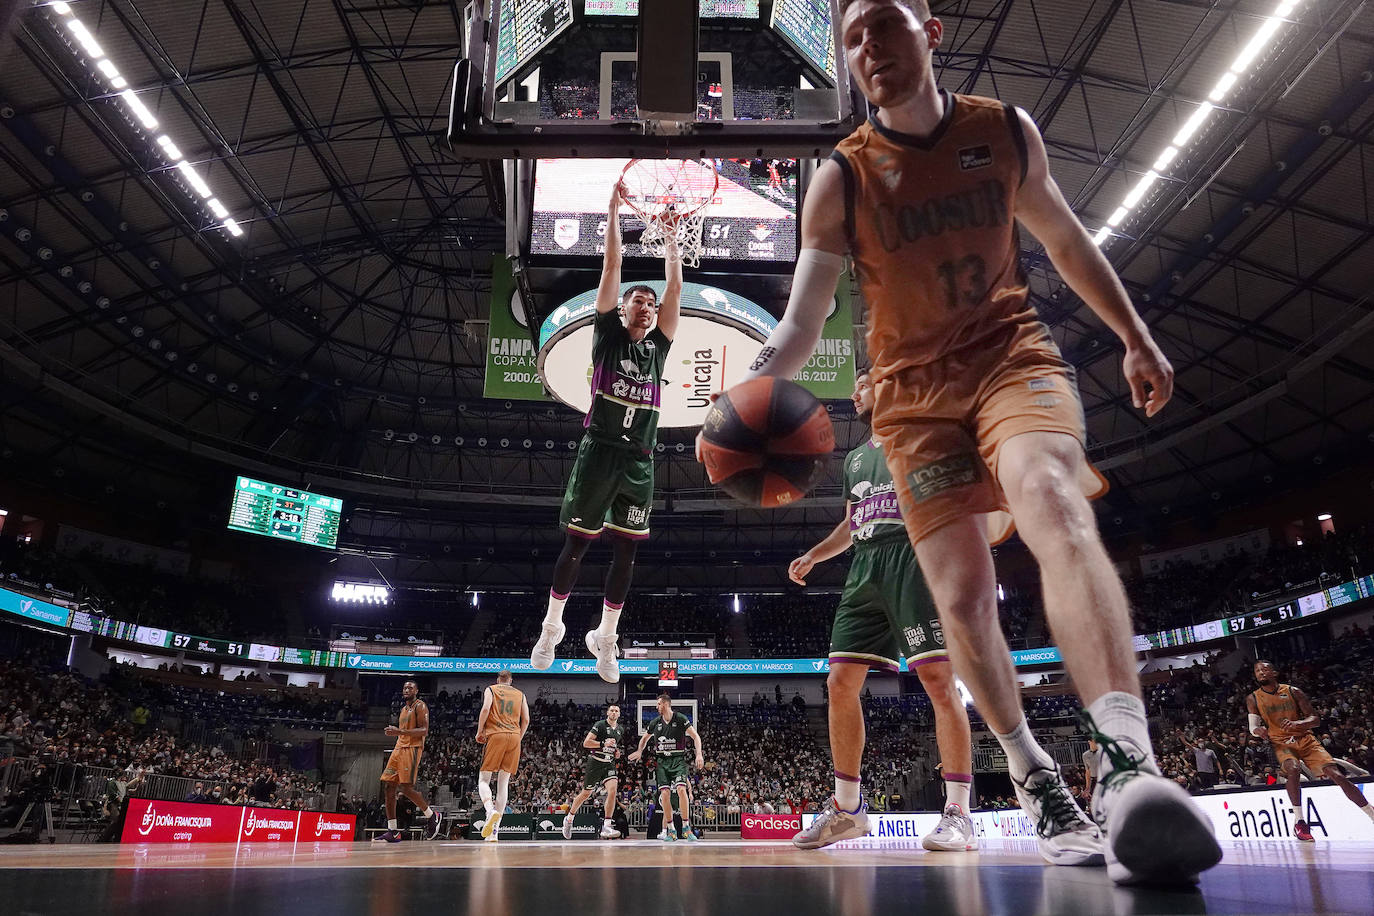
[605, 648]
[567, 826]
[550, 635]
[832, 825]
[1065, 834]
[608, 832]
[1154, 832]
[954, 833]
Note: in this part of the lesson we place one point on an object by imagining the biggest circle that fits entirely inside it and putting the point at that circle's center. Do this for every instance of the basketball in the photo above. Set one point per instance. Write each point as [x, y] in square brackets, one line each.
[767, 442]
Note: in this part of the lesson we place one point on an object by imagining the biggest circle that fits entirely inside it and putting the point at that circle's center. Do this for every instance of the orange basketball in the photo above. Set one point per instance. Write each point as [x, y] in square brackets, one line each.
[767, 442]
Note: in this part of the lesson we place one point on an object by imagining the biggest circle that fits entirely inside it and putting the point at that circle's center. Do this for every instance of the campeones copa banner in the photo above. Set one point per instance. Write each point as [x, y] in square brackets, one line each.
[641, 666]
[718, 336]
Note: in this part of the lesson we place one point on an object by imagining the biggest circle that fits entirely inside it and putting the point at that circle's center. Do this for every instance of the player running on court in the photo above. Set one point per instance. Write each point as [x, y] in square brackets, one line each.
[605, 740]
[611, 486]
[670, 731]
[1283, 715]
[886, 612]
[501, 726]
[403, 766]
[979, 415]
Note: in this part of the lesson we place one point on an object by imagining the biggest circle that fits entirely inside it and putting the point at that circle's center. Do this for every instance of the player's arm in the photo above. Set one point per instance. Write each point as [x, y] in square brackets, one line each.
[608, 293]
[485, 713]
[1256, 721]
[639, 751]
[591, 742]
[819, 265]
[696, 739]
[834, 544]
[524, 716]
[670, 306]
[1041, 208]
[1309, 718]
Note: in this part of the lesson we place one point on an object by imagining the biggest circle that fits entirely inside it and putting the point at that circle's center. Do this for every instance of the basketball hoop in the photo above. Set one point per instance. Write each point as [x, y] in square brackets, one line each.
[671, 196]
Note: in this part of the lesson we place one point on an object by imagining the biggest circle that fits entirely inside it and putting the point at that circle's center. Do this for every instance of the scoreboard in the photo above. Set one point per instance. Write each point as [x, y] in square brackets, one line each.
[806, 26]
[526, 27]
[709, 9]
[279, 511]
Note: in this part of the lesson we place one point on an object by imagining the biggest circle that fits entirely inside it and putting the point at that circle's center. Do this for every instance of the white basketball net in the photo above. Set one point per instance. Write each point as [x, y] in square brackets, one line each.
[672, 197]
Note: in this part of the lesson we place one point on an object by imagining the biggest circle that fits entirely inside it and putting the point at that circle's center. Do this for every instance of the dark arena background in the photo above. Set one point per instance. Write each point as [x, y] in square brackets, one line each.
[295, 311]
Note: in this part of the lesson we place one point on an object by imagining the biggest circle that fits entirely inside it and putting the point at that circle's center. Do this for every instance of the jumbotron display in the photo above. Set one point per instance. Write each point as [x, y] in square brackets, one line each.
[754, 216]
[279, 511]
[526, 27]
[709, 9]
[806, 26]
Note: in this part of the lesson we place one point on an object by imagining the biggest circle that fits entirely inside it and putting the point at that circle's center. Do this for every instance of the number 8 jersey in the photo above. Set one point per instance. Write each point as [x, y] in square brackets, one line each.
[627, 376]
[932, 227]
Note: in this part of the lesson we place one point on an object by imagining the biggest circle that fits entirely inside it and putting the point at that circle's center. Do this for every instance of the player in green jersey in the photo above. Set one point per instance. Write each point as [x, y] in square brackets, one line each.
[612, 482]
[670, 732]
[604, 740]
[885, 614]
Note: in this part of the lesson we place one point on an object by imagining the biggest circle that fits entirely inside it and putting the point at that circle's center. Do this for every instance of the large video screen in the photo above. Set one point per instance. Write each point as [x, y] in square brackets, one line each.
[279, 511]
[806, 26]
[526, 27]
[709, 9]
[753, 218]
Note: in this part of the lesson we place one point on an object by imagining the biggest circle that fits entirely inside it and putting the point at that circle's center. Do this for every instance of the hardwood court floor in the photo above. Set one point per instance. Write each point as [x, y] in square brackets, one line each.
[630, 876]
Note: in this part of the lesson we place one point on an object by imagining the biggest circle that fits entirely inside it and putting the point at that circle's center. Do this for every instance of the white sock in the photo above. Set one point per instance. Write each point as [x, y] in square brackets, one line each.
[610, 617]
[957, 793]
[484, 793]
[1297, 812]
[609, 822]
[554, 614]
[502, 791]
[1024, 753]
[1368, 810]
[1122, 716]
[391, 824]
[847, 794]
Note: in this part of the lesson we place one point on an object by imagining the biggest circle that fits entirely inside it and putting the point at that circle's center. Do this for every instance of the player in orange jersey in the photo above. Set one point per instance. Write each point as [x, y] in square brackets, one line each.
[403, 767]
[1283, 715]
[501, 725]
[980, 418]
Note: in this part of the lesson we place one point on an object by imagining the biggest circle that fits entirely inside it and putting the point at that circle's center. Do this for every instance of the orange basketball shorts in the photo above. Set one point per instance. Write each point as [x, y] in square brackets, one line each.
[1305, 749]
[403, 766]
[943, 425]
[502, 753]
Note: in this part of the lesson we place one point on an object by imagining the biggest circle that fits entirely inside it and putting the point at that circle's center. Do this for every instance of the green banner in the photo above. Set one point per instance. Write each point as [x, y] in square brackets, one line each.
[829, 375]
[512, 372]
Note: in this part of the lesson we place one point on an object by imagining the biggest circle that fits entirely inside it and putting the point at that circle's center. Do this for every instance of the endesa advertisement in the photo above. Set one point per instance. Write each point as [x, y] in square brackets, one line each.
[154, 821]
[769, 826]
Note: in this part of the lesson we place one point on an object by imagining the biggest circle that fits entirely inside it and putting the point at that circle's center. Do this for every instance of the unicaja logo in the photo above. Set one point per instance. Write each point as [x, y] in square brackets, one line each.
[145, 826]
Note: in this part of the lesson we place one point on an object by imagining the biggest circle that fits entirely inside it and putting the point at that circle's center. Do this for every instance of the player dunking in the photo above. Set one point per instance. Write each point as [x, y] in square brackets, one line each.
[979, 415]
[612, 481]
[604, 740]
[1283, 715]
[670, 731]
[403, 767]
[886, 612]
[501, 726]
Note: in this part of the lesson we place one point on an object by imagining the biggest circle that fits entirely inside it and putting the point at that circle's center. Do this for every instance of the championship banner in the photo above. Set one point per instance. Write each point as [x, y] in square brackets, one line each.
[512, 373]
[829, 374]
[153, 821]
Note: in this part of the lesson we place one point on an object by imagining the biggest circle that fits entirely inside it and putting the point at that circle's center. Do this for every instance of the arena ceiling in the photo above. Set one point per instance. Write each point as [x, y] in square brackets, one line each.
[339, 340]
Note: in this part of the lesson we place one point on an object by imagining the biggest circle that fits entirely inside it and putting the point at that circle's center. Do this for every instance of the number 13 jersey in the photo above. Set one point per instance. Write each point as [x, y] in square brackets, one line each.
[932, 227]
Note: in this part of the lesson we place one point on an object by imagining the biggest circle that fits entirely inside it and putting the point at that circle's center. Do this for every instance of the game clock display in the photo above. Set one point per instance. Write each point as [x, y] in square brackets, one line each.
[279, 511]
